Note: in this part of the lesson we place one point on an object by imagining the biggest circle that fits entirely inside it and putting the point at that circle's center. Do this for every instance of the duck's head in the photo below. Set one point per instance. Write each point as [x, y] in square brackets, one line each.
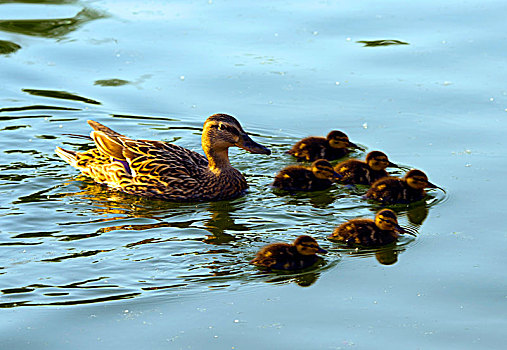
[222, 131]
[338, 139]
[307, 245]
[418, 180]
[387, 220]
[322, 169]
[377, 161]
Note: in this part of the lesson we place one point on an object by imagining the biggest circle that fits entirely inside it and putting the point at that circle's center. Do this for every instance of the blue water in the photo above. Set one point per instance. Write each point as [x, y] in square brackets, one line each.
[82, 266]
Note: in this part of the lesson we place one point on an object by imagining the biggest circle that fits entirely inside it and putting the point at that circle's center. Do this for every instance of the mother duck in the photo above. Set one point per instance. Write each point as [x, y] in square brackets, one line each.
[166, 171]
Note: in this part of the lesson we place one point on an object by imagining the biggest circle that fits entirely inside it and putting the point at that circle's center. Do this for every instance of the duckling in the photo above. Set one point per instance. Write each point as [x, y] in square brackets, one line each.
[158, 169]
[367, 232]
[334, 146]
[282, 256]
[299, 178]
[394, 190]
[354, 171]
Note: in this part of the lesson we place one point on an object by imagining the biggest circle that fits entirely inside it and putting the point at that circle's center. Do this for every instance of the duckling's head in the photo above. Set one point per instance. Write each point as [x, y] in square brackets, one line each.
[377, 161]
[307, 245]
[338, 139]
[386, 220]
[418, 180]
[222, 131]
[322, 169]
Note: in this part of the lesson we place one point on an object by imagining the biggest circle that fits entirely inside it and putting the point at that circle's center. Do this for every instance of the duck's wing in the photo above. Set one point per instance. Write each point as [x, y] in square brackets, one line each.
[155, 159]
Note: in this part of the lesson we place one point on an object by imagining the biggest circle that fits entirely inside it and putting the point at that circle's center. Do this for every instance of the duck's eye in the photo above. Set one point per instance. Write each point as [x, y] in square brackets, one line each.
[225, 127]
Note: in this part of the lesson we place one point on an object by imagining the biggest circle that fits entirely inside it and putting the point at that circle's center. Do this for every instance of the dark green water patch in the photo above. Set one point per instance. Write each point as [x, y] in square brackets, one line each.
[111, 82]
[50, 28]
[45, 2]
[126, 116]
[375, 43]
[7, 47]
[37, 107]
[64, 95]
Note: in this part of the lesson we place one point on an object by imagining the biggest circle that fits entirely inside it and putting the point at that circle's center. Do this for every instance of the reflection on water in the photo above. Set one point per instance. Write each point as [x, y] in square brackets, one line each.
[50, 28]
[7, 47]
[111, 82]
[374, 43]
[60, 95]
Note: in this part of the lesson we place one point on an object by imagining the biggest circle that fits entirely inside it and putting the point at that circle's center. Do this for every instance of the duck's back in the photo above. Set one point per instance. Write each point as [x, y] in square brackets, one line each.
[298, 178]
[282, 256]
[362, 232]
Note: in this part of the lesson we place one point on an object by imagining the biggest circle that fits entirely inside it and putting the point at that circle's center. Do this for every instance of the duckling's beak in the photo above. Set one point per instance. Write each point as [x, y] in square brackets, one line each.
[404, 231]
[353, 145]
[251, 146]
[338, 176]
[431, 185]
[321, 251]
[392, 165]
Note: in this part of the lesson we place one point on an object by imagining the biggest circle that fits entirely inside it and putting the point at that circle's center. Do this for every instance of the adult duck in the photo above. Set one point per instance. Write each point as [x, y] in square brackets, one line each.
[163, 170]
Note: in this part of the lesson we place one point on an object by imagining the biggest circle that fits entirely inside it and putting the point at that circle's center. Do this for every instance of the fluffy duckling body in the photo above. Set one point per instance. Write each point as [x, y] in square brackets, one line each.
[367, 232]
[394, 190]
[354, 171]
[299, 178]
[334, 146]
[163, 170]
[302, 253]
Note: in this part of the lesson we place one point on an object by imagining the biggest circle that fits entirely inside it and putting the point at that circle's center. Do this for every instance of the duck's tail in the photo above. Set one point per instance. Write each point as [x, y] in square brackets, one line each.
[68, 156]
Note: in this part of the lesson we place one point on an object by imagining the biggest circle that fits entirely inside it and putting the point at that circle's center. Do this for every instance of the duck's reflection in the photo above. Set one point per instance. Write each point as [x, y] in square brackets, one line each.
[221, 221]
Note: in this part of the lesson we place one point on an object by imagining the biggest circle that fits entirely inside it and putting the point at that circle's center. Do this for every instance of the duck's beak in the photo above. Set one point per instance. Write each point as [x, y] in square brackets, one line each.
[431, 185]
[404, 231]
[321, 251]
[392, 165]
[251, 146]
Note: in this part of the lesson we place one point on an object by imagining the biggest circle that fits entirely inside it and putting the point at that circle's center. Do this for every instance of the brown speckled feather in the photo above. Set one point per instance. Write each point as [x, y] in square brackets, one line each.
[393, 190]
[282, 256]
[358, 172]
[299, 178]
[362, 232]
[312, 148]
[160, 169]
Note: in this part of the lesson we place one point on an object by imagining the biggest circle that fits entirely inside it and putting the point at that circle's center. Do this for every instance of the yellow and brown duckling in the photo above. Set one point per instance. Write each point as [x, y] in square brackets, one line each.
[302, 253]
[319, 176]
[367, 232]
[334, 146]
[163, 170]
[394, 190]
[355, 171]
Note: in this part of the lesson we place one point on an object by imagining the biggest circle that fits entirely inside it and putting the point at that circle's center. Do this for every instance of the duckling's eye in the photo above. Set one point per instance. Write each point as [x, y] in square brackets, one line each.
[385, 220]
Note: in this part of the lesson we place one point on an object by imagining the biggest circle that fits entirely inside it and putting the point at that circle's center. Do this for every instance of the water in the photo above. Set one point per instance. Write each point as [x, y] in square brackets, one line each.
[83, 266]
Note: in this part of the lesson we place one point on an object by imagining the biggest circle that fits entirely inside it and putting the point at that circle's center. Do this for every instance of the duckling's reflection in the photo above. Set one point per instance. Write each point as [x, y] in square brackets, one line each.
[386, 255]
[319, 199]
[302, 280]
